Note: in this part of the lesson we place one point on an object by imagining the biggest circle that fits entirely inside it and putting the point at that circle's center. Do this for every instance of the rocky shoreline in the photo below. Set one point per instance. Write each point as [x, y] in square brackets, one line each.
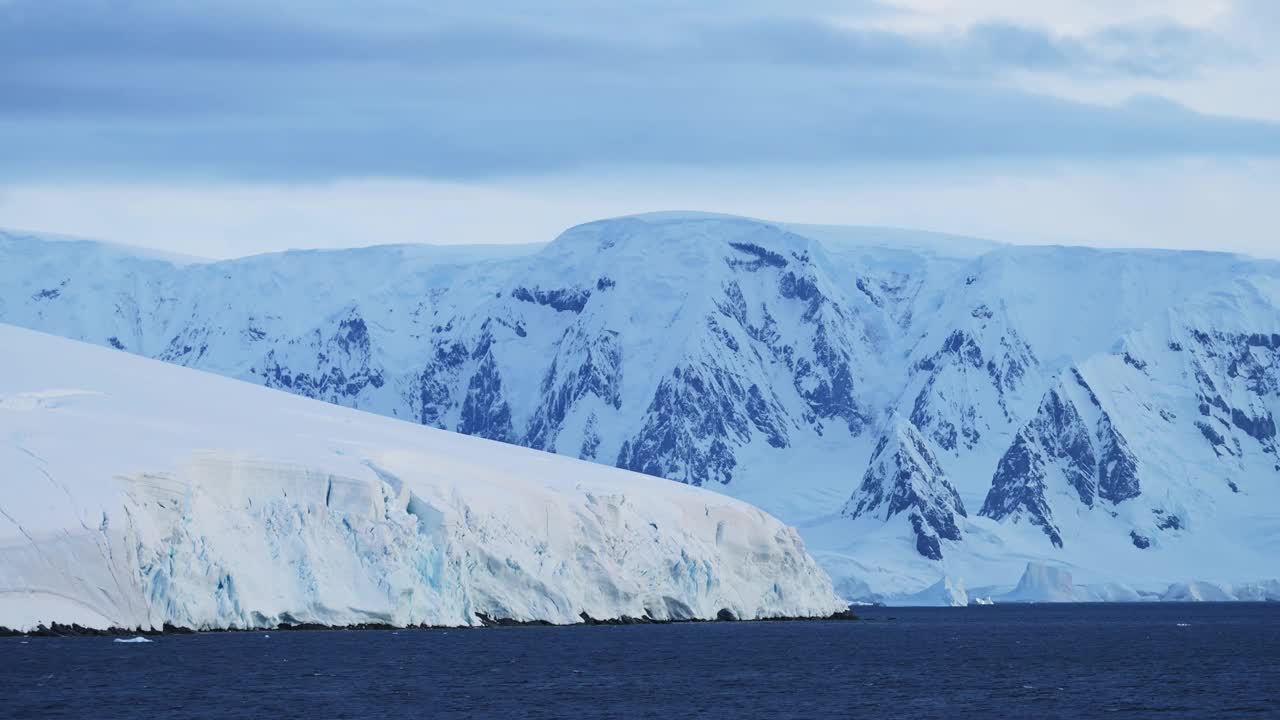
[486, 621]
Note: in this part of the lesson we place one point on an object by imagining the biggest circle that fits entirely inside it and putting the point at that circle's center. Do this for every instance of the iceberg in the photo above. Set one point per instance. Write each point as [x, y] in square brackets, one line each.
[1263, 591]
[1042, 583]
[1111, 592]
[1204, 591]
[1197, 591]
[947, 592]
[136, 494]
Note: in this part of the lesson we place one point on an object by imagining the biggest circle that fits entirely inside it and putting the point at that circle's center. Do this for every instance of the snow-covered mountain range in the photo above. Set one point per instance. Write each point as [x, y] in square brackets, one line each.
[920, 406]
[139, 494]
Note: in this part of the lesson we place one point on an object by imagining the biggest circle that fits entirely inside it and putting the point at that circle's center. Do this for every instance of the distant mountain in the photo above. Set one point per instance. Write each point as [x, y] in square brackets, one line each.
[918, 405]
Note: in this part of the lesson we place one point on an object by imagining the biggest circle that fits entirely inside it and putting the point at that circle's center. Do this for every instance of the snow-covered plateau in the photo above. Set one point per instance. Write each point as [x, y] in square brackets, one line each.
[940, 417]
[135, 494]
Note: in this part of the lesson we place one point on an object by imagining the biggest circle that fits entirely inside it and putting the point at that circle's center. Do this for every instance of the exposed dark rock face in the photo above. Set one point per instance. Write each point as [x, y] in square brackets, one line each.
[765, 414]
[833, 394]
[1065, 435]
[1166, 521]
[436, 384]
[1233, 381]
[590, 439]
[983, 362]
[803, 288]
[1214, 437]
[1019, 489]
[693, 417]
[52, 293]
[342, 368]
[1244, 367]
[1262, 429]
[905, 477]
[761, 255]
[1134, 362]
[485, 412]
[822, 371]
[1117, 465]
[706, 408]
[560, 299]
[584, 366]
[1092, 457]
[1005, 362]
[189, 347]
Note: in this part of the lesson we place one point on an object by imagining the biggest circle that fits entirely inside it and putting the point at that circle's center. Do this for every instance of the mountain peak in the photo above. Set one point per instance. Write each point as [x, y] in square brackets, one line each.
[811, 369]
[904, 477]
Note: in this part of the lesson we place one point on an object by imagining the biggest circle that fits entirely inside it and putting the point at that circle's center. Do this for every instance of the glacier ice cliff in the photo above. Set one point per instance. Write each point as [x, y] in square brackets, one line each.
[137, 494]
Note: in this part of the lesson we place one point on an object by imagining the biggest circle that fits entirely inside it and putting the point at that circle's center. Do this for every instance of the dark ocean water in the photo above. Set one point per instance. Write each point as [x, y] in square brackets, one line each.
[1041, 662]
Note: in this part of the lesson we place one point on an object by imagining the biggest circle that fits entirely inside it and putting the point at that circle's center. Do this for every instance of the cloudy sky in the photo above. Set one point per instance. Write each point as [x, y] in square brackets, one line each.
[225, 127]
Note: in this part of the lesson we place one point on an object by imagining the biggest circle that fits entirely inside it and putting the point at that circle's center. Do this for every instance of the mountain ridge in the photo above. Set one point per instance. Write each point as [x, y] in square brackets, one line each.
[748, 357]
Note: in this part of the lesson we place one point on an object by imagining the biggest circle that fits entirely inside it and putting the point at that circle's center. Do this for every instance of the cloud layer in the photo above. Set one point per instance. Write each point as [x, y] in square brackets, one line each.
[325, 90]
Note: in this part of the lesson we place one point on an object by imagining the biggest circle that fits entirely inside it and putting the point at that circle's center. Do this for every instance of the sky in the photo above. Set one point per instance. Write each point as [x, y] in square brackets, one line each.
[222, 128]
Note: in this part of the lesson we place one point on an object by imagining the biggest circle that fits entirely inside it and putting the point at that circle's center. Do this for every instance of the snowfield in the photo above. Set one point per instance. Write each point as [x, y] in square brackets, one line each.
[932, 413]
[134, 493]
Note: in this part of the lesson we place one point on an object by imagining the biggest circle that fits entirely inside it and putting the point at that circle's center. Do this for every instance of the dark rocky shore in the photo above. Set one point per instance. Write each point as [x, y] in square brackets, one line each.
[486, 621]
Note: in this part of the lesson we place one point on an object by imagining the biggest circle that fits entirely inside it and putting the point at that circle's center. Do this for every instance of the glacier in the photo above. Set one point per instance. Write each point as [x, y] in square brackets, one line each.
[138, 494]
[920, 406]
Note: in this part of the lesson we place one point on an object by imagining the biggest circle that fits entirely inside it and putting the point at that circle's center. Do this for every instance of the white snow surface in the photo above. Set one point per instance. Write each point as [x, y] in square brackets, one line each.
[767, 361]
[1044, 584]
[947, 592]
[135, 493]
[1202, 591]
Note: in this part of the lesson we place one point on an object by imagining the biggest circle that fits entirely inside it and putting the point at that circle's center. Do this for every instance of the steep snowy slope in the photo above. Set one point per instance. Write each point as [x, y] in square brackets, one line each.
[904, 479]
[135, 493]
[678, 347]
[901, 397]
[1168, 442]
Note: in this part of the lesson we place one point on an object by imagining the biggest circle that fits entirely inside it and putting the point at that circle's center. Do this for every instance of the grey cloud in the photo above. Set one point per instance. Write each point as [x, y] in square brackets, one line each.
[312, 90]
[652, 31]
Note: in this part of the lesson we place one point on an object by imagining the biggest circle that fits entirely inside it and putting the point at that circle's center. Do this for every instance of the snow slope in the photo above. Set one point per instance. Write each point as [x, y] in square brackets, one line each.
[135, 493]
[920, 406]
